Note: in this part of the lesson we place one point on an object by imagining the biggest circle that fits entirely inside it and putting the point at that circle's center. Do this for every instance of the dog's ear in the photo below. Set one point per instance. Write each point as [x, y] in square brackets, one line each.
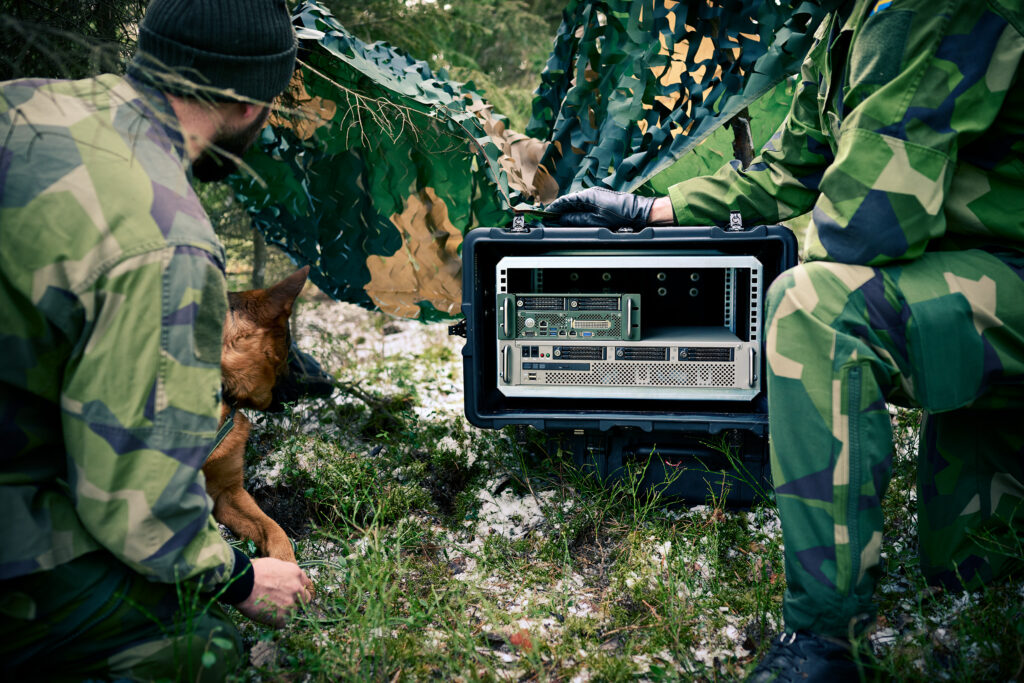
[281, 296]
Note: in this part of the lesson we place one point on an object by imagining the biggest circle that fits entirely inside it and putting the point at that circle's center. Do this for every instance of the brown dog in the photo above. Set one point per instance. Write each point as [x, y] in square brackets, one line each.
[254, 358]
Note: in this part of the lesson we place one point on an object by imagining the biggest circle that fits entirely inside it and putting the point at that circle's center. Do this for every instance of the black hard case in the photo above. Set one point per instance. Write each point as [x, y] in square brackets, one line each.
[605, 433]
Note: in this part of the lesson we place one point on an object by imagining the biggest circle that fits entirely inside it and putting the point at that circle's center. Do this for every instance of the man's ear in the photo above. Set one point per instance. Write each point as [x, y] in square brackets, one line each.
[248, 112]
[238, 115]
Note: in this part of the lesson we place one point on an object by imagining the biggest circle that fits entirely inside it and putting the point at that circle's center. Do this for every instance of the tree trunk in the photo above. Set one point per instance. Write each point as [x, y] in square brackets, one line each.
[259, 259]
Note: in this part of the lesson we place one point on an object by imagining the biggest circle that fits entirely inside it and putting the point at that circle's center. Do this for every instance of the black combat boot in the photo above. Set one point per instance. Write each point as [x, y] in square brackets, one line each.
[807, 658]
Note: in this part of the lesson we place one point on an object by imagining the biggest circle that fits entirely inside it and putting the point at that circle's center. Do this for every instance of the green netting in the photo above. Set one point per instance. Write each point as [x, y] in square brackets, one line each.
[632, 85]
[384, 165]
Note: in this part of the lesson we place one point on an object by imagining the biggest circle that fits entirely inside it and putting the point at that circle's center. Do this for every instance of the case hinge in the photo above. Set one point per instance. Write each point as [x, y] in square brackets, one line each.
[458, 329]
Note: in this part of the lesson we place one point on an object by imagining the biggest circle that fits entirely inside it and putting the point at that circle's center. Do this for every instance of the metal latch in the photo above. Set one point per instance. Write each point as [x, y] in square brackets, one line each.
[519, 224]
[458, 329]
[735, 222]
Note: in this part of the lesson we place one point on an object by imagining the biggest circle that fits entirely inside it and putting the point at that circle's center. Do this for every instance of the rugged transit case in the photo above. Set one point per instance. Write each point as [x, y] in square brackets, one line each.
[623, 346]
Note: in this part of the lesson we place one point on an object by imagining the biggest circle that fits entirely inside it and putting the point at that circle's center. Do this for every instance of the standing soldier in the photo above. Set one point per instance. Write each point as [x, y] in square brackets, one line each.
[112, 296]
[905, 141]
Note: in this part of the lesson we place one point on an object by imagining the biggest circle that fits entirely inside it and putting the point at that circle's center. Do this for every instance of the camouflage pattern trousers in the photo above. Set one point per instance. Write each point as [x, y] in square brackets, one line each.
[944, 333]
[94, 618]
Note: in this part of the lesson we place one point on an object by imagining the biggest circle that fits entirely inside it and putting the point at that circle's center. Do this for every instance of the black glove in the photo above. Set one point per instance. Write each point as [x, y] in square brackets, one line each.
[602, 208]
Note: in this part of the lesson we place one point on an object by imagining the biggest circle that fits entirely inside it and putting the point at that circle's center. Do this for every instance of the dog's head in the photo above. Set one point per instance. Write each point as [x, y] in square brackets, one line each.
[256, 341]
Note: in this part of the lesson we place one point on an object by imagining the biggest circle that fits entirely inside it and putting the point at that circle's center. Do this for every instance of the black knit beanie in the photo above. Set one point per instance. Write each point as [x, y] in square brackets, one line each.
[247, 46]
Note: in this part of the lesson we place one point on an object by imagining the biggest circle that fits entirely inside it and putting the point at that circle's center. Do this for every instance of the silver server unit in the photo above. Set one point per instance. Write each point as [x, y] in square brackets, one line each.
[700, 337]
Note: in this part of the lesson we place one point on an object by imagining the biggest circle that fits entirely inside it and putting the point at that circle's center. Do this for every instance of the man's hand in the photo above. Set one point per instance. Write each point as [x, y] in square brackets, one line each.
[277, 590]
[601, 207]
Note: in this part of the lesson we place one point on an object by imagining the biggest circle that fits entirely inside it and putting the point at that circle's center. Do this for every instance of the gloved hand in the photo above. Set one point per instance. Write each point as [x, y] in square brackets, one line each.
[603, 208]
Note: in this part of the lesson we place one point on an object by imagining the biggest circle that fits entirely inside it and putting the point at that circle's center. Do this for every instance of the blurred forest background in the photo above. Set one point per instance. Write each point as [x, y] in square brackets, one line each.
[500, 46]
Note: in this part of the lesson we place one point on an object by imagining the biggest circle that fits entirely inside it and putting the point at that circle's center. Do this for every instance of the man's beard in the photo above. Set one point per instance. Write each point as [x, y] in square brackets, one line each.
[217, 161]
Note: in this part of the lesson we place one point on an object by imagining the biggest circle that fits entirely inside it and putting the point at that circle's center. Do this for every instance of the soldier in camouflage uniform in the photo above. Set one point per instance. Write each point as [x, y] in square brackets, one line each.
[112, 296]
[905, 141]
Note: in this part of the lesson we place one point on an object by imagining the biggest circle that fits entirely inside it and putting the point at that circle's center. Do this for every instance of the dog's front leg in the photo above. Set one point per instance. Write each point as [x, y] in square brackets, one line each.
[232, 505]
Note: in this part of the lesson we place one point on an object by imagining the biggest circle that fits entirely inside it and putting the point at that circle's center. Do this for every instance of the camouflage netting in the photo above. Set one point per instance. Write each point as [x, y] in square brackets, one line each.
[375, 174]
[633, 86]
[381, 165]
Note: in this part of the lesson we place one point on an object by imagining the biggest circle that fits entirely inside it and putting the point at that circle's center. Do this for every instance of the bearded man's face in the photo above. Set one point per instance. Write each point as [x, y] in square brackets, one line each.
[214, 163]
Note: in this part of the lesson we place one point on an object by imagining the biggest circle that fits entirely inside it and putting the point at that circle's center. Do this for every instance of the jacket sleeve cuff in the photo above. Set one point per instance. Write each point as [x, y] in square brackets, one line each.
[681, 209]
[239, 586]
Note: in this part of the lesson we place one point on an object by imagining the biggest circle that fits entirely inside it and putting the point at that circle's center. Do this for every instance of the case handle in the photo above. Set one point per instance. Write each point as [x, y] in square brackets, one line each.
[629, 317]
[506, 370]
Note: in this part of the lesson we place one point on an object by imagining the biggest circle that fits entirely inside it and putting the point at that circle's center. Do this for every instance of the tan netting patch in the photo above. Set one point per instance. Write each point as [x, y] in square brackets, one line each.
[427, 267]
[302, 112]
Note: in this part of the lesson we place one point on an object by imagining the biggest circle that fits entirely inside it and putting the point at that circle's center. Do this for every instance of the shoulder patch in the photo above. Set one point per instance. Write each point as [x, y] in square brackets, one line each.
[876, 55]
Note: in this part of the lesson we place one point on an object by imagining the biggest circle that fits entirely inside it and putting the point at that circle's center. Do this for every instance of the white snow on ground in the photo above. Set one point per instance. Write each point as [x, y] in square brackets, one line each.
[371, 336]
[510, 515]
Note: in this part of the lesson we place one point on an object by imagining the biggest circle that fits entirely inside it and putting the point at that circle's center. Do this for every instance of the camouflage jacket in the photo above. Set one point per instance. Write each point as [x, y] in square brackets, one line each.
[112, 297]
[906, 134]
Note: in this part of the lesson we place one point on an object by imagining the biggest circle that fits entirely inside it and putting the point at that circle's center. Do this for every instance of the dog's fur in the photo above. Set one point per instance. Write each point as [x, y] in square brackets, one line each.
[254, 358]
